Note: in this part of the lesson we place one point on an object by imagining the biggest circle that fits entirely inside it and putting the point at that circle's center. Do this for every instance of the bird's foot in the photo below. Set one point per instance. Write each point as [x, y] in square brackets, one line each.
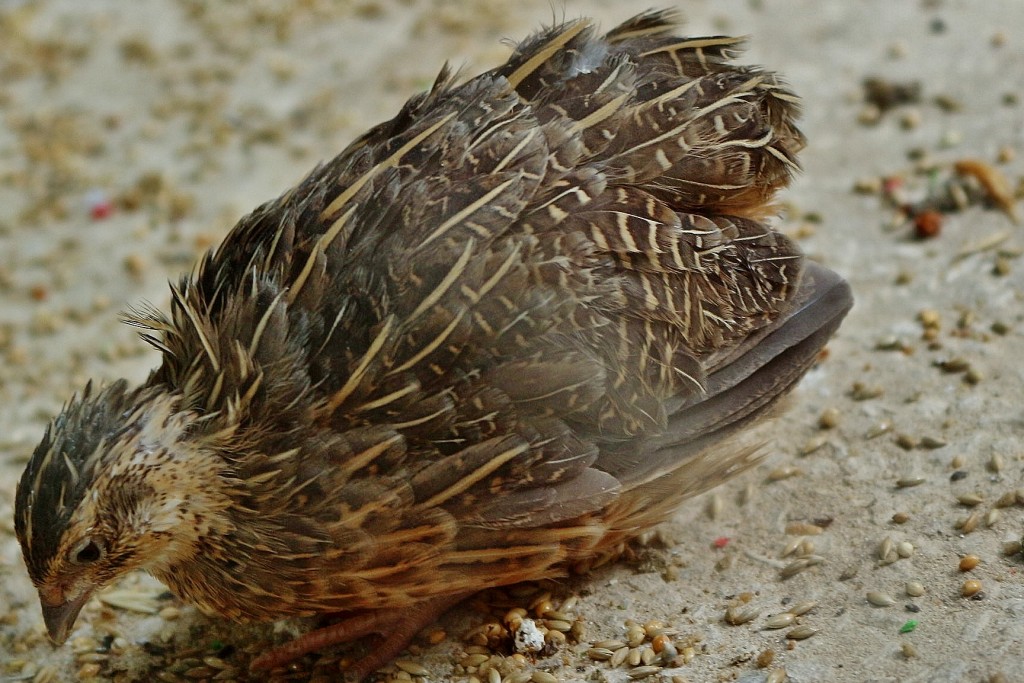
[397, 627]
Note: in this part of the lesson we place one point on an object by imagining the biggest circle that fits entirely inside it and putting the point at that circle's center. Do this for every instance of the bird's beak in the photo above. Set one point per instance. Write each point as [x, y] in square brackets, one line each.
[60, 618]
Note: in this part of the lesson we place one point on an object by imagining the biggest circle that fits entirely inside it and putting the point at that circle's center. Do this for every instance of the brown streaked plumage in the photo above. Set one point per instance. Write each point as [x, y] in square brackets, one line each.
[497, 336]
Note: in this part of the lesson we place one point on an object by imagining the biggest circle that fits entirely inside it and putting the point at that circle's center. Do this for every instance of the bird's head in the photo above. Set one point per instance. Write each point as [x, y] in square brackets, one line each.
[110, 489]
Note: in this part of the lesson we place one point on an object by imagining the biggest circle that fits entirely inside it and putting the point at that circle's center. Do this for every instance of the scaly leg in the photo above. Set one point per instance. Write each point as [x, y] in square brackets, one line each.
[397, 626]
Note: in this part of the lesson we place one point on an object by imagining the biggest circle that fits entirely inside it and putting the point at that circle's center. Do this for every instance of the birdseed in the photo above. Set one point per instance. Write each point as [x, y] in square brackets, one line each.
[46, 674]
[970, 588]
[132, 599]
[930, 443]
[970, 499]
[781, 473]
[792, 546]
[474, 660]
[659, 642]
[737, 615]
[643, 672]
[610, 644]
[879, 599]
[969, 562]
[802, 608]
[1006, 500]
[914, 589]
[829, 418]
[878, 430]
[781, 620]
[801, 633]
[412, 668]
[765, 659]
[803, 529]
[715, 505]
[969, 523]
[635, 635]
[797, 566]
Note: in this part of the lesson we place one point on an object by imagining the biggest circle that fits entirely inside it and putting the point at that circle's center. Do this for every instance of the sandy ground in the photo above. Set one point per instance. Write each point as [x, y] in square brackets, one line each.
[134, 134]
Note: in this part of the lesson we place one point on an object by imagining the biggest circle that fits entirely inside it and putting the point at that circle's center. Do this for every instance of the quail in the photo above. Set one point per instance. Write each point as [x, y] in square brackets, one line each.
[496, 337]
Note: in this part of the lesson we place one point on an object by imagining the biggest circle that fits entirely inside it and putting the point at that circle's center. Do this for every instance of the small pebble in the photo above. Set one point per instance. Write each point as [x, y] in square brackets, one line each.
[528, 637]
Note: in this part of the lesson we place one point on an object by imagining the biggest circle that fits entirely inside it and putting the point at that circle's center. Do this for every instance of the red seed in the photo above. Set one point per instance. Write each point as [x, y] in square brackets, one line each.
[927, 224]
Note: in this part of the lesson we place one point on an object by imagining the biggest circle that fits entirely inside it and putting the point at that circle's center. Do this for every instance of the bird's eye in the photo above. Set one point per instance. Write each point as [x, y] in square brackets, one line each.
[87, 552]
